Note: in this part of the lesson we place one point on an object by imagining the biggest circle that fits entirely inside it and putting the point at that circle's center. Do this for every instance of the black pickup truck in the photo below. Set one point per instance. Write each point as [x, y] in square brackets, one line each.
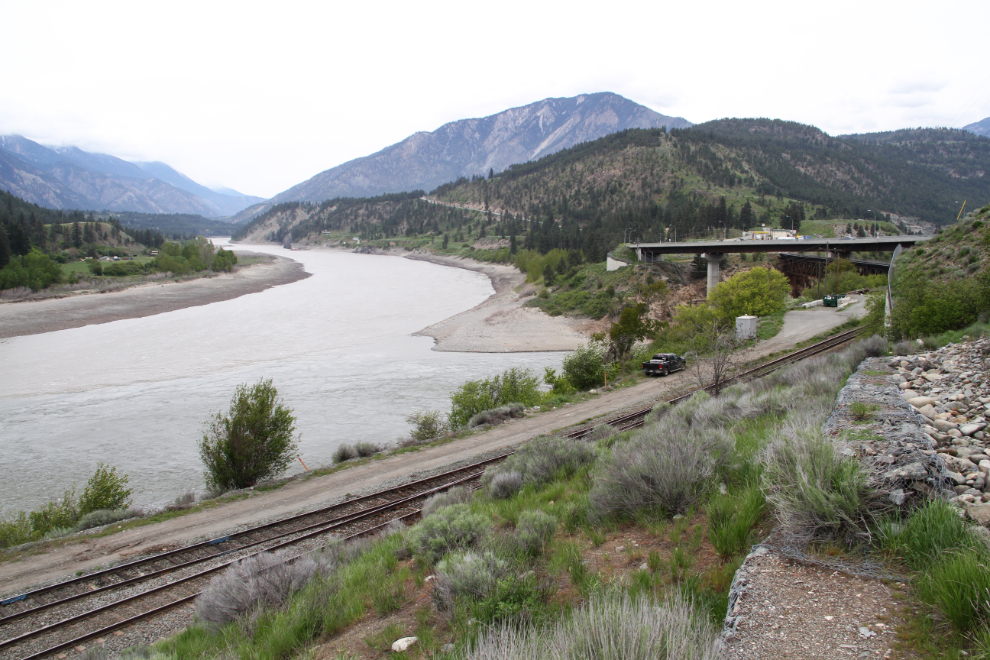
[663, 364]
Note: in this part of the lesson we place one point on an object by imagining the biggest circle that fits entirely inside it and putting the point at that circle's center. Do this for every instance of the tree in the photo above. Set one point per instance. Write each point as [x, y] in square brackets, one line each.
[4, 247]
[757, 292]
[630, 328]
[715, 341]
[105, 490]
[252, 442]
[548, 275]
[586, 367]
[446, 241]
[512, 386]
[76, 235]
[746, 216]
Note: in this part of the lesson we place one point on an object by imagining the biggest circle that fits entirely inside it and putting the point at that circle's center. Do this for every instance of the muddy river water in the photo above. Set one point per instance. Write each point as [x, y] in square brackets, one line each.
[135, 393]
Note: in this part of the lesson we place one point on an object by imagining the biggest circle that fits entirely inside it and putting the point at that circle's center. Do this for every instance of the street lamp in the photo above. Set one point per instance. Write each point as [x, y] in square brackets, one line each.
[792, 221]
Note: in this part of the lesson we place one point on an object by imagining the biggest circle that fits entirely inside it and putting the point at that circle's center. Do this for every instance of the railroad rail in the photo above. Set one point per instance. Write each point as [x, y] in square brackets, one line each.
[635, 419]
[47, 620]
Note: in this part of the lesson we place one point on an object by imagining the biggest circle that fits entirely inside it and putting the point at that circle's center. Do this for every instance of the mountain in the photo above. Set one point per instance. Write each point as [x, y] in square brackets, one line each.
[68, 177]
[471, 147]
[656, 185]
[981, 127]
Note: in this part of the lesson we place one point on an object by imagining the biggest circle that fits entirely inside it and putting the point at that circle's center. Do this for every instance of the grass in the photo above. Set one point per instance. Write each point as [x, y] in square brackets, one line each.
[770, 325]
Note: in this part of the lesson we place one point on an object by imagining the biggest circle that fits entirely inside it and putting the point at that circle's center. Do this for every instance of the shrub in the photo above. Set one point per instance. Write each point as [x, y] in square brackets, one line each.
[874, 346]
[343, 453]
[600, 432]
[608, 627]
[512, 386]
[262, 580]
[543, 459]
[534, 531]
[497, 415]
[62, 514]
[456, 495]
[105, 490]
[450, 528]
[905, 347]
[505, 484]
[586, 367]
[366, 449]
[466, 576]
[102, 517]
[15, 530]
[429, 424]
[253, 442]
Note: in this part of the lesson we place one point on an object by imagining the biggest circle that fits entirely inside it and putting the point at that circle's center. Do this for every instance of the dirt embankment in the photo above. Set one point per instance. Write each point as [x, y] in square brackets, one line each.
[36, 317]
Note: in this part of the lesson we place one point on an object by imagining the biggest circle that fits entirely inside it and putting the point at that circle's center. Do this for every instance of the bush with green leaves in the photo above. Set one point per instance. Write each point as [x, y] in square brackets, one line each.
[505, 484]
[512, 386]
[428, 425]
[449, 528]
[588, 366]
[466, 576]
[542, 460]
[105, 490]
[253, 442]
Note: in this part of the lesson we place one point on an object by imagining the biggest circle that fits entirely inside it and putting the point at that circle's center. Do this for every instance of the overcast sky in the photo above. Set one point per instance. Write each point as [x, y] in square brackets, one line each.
[261, 96]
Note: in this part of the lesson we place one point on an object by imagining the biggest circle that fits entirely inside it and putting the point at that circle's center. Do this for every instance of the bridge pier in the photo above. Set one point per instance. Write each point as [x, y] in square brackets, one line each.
[714, 260]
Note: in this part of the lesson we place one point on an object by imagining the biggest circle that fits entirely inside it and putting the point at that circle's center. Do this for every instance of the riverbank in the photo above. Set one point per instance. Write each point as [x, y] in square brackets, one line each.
[501, 324]
[40, 316]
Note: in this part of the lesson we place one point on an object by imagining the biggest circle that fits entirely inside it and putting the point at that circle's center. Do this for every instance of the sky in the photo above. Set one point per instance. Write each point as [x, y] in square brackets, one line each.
[260, 96]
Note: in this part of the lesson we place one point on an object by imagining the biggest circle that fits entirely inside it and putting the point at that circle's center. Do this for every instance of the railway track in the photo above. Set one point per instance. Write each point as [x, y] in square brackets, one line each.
[635, 419]
[66, 615]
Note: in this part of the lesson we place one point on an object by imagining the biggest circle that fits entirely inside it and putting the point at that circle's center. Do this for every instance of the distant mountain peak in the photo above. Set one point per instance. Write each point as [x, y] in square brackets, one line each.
[981, 127]
[427, 159]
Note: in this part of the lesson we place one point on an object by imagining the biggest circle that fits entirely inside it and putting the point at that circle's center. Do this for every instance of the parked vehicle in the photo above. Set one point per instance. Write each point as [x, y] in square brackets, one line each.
[664, 363]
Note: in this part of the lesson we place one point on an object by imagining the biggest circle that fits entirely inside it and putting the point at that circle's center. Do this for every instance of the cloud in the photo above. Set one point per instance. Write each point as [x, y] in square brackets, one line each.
[917, 87]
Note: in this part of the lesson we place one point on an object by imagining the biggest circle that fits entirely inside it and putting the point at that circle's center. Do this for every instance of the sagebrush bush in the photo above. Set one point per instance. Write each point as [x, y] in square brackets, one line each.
[456, 495]
[343, 453]
[905, 347]
[102, 517]
[505, 484]
[669, 464]
[449, 528]
[608, 627]
[600, 432]
[534, 530]
[543, 459]
[262, 580]
[366, 449]
[105, 490]
[875, 346]
[466, 576]
[497, 415]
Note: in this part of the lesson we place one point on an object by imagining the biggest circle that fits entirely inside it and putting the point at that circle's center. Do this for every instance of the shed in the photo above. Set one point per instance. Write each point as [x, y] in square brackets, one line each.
[746, 327]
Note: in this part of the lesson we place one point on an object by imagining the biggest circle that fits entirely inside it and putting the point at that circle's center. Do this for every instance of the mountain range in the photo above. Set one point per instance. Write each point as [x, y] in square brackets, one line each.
[471, 147]
[70, 178]
[981, 127]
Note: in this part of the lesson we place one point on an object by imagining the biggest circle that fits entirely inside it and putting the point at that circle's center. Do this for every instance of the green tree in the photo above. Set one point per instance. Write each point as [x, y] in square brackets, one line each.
[76, 235]
[746, 216]
[105, 490]
[252, 442]
[630, 328]
[4, 247]
[756, 292]
[548, 275]
[588, 366]
[512, 386]
[446, 241]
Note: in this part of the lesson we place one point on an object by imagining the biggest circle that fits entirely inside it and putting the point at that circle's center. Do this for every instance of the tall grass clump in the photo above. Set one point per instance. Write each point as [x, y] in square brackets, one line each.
[540, 461]
[929, 532]
[731, 519]
[608, 627]
[816, 493]
[959, 586]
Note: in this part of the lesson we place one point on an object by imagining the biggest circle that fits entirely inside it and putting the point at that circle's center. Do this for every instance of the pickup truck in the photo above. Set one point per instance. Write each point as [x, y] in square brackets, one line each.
[663, 364]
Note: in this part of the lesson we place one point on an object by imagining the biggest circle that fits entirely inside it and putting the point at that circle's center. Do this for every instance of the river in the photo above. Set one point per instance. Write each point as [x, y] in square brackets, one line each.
[135, 393]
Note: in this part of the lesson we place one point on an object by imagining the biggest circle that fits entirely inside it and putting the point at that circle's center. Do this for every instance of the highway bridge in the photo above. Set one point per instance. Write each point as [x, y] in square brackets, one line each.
[715, 252]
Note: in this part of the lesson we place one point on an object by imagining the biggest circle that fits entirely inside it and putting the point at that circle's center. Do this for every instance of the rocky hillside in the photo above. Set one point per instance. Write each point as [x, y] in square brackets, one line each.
[476, 146]
[981, 127]
[70, 178]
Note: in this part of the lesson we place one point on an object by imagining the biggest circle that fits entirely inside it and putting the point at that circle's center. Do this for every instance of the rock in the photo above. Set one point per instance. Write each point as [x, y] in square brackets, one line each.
[957, 478]
[866, 632]
[911, 472]
[644, 566]
[984, 466]
[922, 401]
[943, 425]
[448, 648]
[979, 512]
[898, 496]
[400, 645]
[970, 429]
[928, 411]
[620, 548]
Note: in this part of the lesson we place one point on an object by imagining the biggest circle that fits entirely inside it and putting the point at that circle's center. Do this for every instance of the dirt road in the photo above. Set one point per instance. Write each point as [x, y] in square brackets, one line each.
[297, 496]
